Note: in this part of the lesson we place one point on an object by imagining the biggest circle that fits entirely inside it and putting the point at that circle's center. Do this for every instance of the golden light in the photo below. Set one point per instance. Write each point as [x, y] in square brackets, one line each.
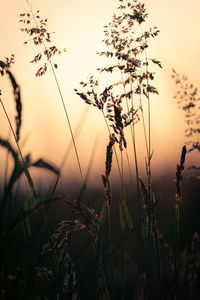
[78, 27]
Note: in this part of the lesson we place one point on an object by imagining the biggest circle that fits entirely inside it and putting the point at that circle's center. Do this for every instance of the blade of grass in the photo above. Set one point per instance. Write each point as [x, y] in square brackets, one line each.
[27, 175]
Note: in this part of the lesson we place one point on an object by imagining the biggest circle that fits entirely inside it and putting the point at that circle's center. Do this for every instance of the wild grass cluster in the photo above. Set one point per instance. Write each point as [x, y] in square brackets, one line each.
[116, 247]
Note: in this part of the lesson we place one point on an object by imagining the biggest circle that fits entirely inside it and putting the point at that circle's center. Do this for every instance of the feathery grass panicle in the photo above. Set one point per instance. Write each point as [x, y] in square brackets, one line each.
[36, 28]
[87, 217]
[125, 47]
[188, 99]
[60, 237]
[5, 69]
[4, 65]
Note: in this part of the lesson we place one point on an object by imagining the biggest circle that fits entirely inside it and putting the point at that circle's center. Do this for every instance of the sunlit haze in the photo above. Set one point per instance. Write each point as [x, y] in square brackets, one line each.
[78, 27]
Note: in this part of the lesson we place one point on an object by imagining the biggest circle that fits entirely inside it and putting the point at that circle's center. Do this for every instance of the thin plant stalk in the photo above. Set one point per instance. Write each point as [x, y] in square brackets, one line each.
[7, 163]
[66, 113]
[179, 169]
[122, 236]
[150, 192]
[123, 267]
[76, 134]
[132, 129]
[129, 168]
[177, 239]
[144, 126]
[120, 170]
[109, 212]
[110, 249]
[149, 146]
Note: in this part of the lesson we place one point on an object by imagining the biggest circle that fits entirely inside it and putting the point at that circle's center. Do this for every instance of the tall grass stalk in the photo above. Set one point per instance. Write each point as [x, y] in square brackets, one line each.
[149, 148]
[179, 169]
[144, 126]
[121, 174]
[77, 132]
[7, 164]
[132, 130]
[122, 232]
[65, 111]
[127, 51]
[149, 180]
[121, 207]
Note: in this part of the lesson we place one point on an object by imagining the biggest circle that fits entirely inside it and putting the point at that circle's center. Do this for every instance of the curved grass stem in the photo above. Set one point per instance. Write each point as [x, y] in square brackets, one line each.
[65, 111]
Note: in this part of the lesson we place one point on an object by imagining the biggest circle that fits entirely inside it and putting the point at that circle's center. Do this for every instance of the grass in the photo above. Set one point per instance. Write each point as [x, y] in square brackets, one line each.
[116, 247]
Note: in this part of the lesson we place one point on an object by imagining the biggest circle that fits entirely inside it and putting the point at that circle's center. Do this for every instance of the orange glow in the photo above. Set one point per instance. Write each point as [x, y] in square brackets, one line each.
[78, 27]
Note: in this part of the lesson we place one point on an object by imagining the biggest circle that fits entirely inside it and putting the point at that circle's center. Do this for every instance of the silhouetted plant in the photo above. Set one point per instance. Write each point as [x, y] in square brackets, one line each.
[126, 48]
[36, 28]
[11, 218]
[120, 102]
[188, 99]
[21, 164]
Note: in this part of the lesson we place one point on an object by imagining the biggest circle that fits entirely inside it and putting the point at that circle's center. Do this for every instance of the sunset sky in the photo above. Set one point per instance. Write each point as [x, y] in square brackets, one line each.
[78, 27]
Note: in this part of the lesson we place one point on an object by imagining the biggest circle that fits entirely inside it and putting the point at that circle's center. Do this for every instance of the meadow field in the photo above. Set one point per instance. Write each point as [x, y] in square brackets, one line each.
[99, 196]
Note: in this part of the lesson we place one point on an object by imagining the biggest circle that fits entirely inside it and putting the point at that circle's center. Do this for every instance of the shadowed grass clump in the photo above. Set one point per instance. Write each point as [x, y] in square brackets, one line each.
[15, 217]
